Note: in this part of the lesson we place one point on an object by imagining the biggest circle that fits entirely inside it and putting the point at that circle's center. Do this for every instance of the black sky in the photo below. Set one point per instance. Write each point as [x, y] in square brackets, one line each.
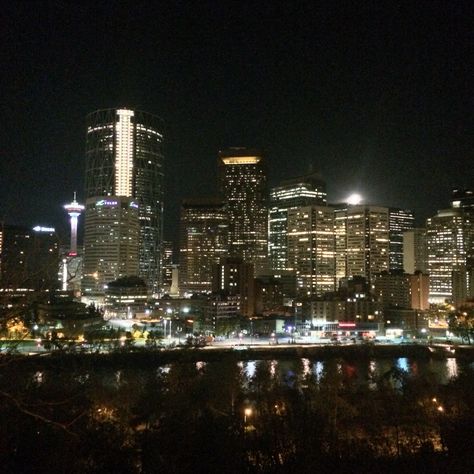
[378, 96]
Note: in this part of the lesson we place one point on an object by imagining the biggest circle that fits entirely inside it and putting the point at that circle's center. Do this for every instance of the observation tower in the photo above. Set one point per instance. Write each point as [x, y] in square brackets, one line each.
[74, 209]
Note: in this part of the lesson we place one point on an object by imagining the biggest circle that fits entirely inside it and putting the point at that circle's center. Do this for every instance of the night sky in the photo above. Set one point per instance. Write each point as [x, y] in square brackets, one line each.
[377, 96]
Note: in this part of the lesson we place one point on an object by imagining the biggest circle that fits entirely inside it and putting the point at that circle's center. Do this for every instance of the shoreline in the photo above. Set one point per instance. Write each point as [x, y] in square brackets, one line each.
[143, 357]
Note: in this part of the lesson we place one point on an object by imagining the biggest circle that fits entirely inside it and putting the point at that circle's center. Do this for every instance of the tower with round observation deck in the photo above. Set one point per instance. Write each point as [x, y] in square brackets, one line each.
[74, 209]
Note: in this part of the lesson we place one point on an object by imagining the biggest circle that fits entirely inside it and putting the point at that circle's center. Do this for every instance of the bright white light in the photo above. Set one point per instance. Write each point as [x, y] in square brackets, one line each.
[354, 199]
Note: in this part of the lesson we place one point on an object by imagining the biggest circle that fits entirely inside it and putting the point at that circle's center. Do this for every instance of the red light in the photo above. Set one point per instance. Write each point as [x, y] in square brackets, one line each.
[347, 325]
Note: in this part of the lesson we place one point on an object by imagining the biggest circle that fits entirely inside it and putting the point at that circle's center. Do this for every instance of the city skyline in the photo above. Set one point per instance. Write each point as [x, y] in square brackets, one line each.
[375, 98]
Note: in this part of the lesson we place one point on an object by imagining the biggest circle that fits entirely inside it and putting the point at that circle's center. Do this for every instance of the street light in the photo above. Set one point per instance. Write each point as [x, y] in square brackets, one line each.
[247, 414]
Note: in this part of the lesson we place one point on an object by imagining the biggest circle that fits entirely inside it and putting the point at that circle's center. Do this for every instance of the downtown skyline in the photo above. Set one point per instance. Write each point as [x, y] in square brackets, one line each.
[376, 98]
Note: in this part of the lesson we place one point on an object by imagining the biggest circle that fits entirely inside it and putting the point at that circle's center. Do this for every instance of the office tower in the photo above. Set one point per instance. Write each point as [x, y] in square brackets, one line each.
[400, 220]
[232, 277]
[397, 289]
[415, 257]
[463, 199]
[166, 266]
[362, 236]
[301, 191]
[311, 249]
[29, 258]
[111, 242]
[124, 158]
[450, 240]
[242, 184]
[203, 242]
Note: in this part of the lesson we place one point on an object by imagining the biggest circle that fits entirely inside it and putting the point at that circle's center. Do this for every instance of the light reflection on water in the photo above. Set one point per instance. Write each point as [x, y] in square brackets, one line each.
[452, 368]
[273, 366]
[318, 368]
[364, 372]
[306, 367]
[38, 377]
[249, 368]
[402, 363]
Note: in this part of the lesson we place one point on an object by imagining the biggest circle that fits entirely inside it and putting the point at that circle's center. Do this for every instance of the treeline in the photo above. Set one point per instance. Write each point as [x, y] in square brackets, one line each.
[213, 417]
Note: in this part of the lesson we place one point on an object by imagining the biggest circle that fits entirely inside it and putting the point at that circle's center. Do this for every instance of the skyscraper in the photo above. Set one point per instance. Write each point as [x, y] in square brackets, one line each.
[450, 242]
[124, 158]
[311, 249]
[29, 257]
[203, 242]
[362, 240]
[415, 257]
[399, 221]
[242, 184]
[111, 236]
[301, 191]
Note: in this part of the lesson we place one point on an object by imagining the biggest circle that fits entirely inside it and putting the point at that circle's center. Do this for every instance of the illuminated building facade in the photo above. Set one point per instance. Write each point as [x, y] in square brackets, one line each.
[124, 158]
[111, 239]
[400, 220]
[232, 277]
[242, 184]
[362, 240]
[166, 266]
[203, 242]
[397, 289]
[311, 249]
[450, 240]
[29, 258]
[415, 257]
[302, 191]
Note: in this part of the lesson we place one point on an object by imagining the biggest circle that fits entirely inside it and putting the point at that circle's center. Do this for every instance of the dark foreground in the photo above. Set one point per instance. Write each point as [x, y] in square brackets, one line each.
[223, 412]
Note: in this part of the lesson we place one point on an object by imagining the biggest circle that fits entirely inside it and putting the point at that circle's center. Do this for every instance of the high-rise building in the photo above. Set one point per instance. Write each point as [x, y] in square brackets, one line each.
[400, 220]
[463, 199]
[166, 266]
[311, 249]
[415, 257]
[397, 289]
[124, 158]
[111, 242]
[302, 191]
[235, 278]
[362, 236]
[450, 241]
[29, 258]
[242, 184]
[203, 242]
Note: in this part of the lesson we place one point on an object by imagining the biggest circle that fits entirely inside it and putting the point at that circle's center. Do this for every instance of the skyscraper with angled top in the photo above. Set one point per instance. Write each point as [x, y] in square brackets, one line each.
[307, 190]
[124, 158]
[242, 184]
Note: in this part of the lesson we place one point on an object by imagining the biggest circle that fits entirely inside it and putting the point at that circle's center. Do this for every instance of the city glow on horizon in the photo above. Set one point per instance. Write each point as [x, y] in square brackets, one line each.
[354, 199]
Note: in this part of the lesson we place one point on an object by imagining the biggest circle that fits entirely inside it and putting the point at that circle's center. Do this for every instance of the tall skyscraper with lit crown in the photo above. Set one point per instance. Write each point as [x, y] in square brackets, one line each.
[242, 184]
[124, 158]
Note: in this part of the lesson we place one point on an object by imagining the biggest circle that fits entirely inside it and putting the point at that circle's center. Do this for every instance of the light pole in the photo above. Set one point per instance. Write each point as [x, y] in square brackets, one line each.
[247, 414]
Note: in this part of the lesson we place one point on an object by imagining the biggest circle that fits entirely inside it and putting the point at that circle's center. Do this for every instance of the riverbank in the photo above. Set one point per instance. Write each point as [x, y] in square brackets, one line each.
[144, 357]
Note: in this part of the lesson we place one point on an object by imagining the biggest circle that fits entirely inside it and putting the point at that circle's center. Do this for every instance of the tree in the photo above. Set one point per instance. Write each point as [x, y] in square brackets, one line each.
[461, 323]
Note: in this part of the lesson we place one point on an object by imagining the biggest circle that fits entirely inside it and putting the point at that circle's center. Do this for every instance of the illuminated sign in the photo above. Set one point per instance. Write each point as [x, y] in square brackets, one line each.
[241, 160]
[39, 228]
[134, 205]
[438, 324]
[347, 325]
[106, 202]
